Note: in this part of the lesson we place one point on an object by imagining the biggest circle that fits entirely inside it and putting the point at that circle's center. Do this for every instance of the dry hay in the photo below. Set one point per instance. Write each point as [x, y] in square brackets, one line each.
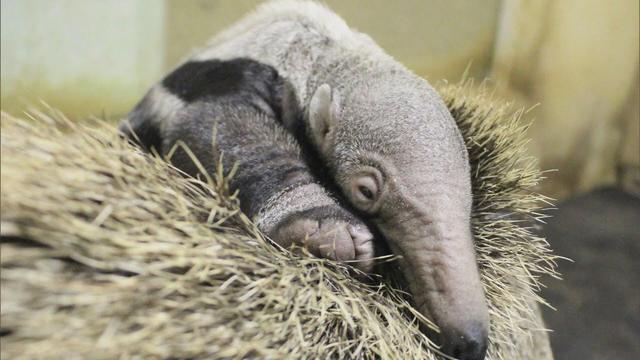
[109, 253]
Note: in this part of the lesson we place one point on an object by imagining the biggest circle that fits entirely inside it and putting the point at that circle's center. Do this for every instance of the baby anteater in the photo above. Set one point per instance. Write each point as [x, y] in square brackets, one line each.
[230, 111]
[390, 145]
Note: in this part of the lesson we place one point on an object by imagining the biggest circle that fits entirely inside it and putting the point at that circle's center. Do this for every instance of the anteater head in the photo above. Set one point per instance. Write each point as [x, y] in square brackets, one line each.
[399, 158]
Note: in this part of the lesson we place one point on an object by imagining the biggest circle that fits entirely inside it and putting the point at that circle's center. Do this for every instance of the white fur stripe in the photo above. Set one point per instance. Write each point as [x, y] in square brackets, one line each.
[164, 106]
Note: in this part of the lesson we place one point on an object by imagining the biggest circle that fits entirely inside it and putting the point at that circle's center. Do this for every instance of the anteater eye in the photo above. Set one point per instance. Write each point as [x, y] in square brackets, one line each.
[366, 192]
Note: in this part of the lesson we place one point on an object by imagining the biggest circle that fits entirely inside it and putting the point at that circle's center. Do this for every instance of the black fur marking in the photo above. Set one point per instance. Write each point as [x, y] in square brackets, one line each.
[195, 80]
[241, 78]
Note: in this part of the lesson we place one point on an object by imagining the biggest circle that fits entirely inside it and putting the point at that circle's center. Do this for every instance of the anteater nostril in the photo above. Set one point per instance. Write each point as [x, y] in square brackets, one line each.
[469, 346]
[475, 350]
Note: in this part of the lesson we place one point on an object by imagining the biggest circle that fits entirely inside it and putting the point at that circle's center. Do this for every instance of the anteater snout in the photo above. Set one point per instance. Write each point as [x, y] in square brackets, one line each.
[467, 344]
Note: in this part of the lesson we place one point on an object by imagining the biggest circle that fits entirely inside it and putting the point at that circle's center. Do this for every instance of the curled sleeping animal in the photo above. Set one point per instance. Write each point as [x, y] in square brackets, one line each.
[239, 102]
[389, 143]
[391, 146]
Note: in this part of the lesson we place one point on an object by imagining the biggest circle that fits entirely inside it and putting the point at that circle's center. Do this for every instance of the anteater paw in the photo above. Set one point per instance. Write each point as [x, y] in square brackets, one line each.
[330, 238]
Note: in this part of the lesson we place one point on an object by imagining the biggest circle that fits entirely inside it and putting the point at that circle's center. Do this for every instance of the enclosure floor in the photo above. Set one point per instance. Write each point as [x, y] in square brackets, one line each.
[598, 303]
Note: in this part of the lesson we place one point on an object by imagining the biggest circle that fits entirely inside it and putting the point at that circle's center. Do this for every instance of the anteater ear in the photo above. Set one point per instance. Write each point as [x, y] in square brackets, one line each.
[323, 113]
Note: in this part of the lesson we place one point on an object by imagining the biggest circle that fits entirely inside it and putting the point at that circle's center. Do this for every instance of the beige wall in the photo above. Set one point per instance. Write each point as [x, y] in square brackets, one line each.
[435, 38]
[578, 60]
[85, 57]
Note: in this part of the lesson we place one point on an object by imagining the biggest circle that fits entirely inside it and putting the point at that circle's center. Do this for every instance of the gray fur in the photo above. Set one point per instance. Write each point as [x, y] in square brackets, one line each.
[275, 184]
[382, 129]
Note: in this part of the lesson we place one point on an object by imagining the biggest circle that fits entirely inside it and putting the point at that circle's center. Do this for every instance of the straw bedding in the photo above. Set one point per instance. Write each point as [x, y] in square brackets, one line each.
[110, 253]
